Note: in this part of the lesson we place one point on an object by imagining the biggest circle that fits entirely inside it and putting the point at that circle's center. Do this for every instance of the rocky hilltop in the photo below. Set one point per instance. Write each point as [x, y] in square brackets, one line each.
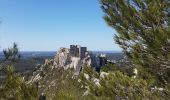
[75, 57]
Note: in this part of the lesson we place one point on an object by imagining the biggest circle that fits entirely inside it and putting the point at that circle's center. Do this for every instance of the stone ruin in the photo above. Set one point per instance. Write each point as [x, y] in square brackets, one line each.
[75, 57]
[78, 51]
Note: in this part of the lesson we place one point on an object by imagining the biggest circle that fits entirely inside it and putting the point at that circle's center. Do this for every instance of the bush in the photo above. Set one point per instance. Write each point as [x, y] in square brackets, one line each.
[15, 88]
[118, 86]
[12, 54]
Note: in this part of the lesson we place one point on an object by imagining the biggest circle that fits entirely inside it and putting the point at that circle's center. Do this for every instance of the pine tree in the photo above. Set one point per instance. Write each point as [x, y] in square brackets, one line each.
[143, 28]
[117, 86]
[12, 54]
[15, 87]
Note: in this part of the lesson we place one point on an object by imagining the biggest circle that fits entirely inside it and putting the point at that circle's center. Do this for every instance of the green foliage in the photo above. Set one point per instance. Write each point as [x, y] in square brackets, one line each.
[12, 54]
[143, 34]
[109, 67]
[118, 86]
[69, 88]
[88, 81]
[115, 67]
[15, 88]
[143, 28]
[60, 84]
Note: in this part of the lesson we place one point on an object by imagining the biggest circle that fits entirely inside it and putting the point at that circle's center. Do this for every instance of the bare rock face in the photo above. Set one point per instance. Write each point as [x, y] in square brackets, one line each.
[76, 57]
[41, 70]
[62, 57]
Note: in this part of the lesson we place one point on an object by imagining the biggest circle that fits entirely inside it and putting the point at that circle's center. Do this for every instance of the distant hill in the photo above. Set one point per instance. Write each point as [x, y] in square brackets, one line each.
[31, 54]
[30, 60]
[48, 54]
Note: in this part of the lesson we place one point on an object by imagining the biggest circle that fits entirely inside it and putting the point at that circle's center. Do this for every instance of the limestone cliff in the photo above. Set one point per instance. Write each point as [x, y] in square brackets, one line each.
[67, 63]
[75, 57]
[66, 59]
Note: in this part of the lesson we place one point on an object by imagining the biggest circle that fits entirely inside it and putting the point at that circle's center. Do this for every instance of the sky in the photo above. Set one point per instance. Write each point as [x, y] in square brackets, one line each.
[47, 25]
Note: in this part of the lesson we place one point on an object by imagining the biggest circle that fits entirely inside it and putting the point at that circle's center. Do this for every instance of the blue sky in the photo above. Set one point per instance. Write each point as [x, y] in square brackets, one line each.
[46, 25]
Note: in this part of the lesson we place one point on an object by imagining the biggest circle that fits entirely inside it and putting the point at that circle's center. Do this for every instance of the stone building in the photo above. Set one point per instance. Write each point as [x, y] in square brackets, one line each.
[83, 51]
[74, 50]
[78, 51]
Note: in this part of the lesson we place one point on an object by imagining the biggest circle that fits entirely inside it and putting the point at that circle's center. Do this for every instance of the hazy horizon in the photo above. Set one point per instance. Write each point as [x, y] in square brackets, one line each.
[58, 49]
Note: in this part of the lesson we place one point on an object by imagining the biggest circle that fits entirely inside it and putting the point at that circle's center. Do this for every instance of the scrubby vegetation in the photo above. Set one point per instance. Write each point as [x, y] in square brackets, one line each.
[143, 28]
[15, 88]
[143, 34]
[12, 85]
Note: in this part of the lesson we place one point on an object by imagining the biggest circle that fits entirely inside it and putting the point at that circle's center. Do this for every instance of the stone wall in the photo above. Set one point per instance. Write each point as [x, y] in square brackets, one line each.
[75, 57]
[83, 51]
[78, 51]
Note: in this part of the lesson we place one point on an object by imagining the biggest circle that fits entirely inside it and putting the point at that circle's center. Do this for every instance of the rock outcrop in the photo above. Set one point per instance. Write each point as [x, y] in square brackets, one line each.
[75, 57]
[49, 76]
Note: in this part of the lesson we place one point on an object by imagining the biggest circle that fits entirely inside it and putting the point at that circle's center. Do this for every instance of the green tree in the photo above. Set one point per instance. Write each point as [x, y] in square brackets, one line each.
[143, 28]
[115, 67]
[117, 86]
[15, 87]
[12, 54]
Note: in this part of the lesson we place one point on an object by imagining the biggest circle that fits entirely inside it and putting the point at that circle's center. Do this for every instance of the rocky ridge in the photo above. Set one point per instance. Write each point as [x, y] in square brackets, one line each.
[65, 58]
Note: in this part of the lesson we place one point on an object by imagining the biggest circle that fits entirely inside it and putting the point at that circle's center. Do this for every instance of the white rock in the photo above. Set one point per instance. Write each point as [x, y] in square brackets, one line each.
[96, 81]
[86, 93]
[86, 76]
[103, 74]
[135, 71]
